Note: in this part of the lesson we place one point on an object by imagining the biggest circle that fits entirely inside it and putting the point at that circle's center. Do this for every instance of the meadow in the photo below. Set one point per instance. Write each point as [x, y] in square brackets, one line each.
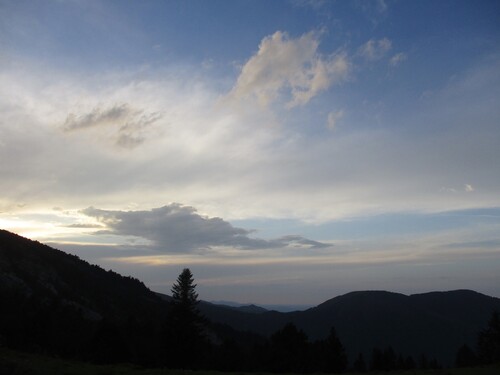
[19, 363]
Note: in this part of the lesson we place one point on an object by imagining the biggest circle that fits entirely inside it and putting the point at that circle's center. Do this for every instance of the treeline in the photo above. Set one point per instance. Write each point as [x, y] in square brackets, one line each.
[175, 335]
[487, 348]
[287, 350]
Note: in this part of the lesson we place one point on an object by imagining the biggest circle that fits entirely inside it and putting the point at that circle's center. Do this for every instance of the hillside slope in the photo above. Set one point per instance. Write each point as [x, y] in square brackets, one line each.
[59, 304]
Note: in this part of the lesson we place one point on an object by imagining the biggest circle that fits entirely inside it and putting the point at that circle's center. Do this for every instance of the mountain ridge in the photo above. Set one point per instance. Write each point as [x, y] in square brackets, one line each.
[43, 284]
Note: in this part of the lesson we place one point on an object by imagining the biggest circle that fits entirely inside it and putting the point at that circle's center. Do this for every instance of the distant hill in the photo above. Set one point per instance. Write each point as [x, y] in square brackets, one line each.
[56, 303]
[252, 309]
[435, 324]
[264, 307]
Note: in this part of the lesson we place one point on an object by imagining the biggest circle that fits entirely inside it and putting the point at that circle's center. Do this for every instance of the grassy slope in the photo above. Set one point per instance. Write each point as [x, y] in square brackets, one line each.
[17, 363]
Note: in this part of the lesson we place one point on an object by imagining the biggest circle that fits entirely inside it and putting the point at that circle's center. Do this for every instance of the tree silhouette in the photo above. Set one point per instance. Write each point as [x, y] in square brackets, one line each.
[359, 364]
[489, 341]
[184, 326]
[289, 350]
[386, 360]
[183, 291]
[335, 358]
[465, 357]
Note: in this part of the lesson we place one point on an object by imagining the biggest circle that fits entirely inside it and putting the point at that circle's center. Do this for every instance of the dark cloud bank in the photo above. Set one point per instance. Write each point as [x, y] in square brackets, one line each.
[178, 228]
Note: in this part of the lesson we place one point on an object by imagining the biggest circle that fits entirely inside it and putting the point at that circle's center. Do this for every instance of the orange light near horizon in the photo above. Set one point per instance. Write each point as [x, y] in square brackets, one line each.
[29, 229]
[37, 230]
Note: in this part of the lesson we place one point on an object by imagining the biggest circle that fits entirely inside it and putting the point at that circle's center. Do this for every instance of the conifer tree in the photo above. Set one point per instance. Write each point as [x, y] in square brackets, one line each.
[337, 358]
[184, 327]
[183, 291]
[489, 341]
[359, 364]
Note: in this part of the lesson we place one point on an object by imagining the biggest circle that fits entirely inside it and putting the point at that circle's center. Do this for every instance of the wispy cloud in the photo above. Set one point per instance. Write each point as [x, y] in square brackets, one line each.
[397, 59]
[240, 164]
[333, 119]
[129, 124]
[376, 11]
[84, 226]
[375, 49]
[97, 117]
[468, 188]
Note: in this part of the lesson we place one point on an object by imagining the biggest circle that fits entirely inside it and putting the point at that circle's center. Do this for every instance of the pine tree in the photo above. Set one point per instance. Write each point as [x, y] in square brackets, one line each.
[337, 358]
[184, 326]
[289, 349]
[359, 364]
[183, 291]
[489, 341]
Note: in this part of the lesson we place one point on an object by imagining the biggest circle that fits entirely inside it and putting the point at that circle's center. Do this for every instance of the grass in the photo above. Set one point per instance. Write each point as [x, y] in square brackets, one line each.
[19, 363]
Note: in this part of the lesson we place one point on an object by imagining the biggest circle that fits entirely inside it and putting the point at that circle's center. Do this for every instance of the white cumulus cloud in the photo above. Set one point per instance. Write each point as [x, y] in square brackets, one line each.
[283, 64]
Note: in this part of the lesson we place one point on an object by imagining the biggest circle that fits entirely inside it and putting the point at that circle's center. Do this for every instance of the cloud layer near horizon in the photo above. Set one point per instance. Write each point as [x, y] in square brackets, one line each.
[176, 228]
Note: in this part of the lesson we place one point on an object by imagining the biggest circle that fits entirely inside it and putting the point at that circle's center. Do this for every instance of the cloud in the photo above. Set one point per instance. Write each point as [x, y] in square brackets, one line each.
[129, 124]
[333, 119]
[314, 4]
[83, 226]
[448, 190]
[299, 241]
[283, 64]
[97, 116]
[375, 11]
[176, 228]
[493, 245]
[382, 6]
[375, 49]
[226, 164]
[397, 59]
[466, 188]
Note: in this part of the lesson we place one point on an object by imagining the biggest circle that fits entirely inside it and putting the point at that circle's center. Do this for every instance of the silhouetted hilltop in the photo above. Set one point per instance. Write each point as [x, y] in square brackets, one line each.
[252, 309]
[435, 324]
[30, 269]
[58, 304]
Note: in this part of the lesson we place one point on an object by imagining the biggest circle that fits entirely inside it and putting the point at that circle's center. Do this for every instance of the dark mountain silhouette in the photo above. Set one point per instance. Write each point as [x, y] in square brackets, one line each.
[56, 303]
[435, 324]
[31, 269]
[251, 309]
[263, 307]
[431, 323]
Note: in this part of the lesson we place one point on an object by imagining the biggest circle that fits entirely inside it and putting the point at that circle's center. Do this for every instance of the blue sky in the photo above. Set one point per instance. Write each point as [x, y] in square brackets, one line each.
[285, 151]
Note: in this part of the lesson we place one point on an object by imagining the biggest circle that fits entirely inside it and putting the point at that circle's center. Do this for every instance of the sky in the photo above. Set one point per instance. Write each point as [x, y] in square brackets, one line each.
[285, 151]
